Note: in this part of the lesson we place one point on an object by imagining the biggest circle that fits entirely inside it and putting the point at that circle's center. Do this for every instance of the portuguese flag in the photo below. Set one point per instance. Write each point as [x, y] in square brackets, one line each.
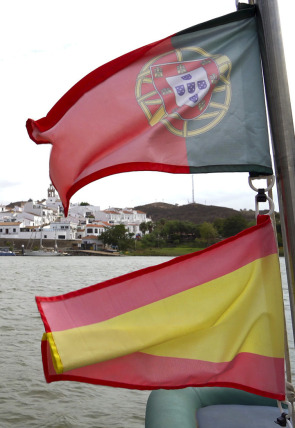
[210, 318]
[190, 103]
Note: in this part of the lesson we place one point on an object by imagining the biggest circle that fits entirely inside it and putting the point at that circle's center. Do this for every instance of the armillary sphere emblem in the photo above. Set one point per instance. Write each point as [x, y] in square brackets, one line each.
[187, 90]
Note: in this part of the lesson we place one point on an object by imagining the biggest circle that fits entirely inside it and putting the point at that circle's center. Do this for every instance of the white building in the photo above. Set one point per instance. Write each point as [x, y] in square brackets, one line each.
[55, 231]
[129, 217]
[7, 216]
[91, 242]
[113, 216]
[133, 228]
[29, 232]
[60, 230]
[47, 214]
[95, 229]
[9, 229]
[85, 211]
[126, 215]
[29, 219]
[17, 209]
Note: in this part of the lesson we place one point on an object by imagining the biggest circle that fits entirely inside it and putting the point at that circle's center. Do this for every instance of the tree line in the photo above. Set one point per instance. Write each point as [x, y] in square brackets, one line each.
[164, 233]
[177, 232]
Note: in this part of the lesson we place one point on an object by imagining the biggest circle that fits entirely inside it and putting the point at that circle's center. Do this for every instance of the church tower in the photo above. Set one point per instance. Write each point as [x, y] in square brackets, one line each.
[51, 191]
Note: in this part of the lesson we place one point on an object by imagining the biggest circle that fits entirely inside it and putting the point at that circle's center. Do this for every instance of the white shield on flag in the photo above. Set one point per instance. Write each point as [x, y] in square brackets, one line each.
[185, 88]
[190, 88]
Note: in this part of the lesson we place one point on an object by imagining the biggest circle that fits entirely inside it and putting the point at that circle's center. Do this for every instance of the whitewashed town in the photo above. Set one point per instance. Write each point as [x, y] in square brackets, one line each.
[44, 222]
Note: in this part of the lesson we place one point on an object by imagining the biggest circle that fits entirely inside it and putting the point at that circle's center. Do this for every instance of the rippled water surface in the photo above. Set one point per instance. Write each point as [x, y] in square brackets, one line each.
[26, 400]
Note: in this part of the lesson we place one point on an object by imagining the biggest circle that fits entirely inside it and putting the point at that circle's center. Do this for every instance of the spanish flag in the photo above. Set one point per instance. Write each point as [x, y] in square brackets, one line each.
[210, 318]
[169, 106]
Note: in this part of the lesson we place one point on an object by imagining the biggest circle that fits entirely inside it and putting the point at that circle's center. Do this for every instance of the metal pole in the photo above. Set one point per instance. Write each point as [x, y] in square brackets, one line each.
[282, 129]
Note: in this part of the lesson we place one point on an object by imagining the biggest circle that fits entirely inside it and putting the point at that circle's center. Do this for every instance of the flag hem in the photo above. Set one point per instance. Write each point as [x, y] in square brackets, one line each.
[247, 12]
[103, 72]
[67, 377]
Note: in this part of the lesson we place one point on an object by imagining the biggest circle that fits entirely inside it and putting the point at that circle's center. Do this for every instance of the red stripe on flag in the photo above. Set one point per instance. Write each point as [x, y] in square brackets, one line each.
[144, 371]
[134, 290]
[90, 81]
[102, 112]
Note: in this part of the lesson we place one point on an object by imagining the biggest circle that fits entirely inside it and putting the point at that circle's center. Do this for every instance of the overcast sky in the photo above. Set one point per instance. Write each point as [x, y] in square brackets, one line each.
[47, 46]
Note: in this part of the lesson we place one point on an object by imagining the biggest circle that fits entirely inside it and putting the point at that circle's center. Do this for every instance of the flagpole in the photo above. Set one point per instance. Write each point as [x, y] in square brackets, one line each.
[282, 130]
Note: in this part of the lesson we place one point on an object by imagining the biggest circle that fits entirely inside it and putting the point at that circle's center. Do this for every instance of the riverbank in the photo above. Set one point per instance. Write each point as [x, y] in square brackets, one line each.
[165, 252]
[171, 251]
[156, 251]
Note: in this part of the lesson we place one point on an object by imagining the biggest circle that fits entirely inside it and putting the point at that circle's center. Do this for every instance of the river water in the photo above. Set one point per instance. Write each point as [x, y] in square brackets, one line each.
[26, 400]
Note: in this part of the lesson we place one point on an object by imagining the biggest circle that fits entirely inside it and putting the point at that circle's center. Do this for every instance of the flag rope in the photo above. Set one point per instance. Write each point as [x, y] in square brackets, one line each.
[262, 197]
[285, 418]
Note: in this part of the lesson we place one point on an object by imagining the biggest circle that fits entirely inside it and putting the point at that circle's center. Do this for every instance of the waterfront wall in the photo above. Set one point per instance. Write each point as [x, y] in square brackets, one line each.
[16, 244]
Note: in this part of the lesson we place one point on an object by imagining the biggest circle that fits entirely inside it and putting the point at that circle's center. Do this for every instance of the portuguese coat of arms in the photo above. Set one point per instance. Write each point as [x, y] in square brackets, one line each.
[188, 96]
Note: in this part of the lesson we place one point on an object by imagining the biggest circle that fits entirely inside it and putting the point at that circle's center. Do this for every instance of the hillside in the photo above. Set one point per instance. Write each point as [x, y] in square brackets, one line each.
[195, 213]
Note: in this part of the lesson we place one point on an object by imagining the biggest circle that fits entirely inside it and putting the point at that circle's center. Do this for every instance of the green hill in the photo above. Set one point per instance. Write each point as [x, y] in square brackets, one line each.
[195, 213]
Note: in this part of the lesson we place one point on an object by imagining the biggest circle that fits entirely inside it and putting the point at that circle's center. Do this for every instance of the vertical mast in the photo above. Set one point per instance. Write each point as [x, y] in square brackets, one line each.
[41, 228]
[282, 129]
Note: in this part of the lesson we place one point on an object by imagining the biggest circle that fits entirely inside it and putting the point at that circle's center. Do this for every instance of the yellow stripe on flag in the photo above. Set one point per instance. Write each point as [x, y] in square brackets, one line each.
[215, 321]
[58, 367]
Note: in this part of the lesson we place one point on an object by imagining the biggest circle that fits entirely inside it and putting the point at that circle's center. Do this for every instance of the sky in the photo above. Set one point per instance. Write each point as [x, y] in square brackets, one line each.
[48, 46]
